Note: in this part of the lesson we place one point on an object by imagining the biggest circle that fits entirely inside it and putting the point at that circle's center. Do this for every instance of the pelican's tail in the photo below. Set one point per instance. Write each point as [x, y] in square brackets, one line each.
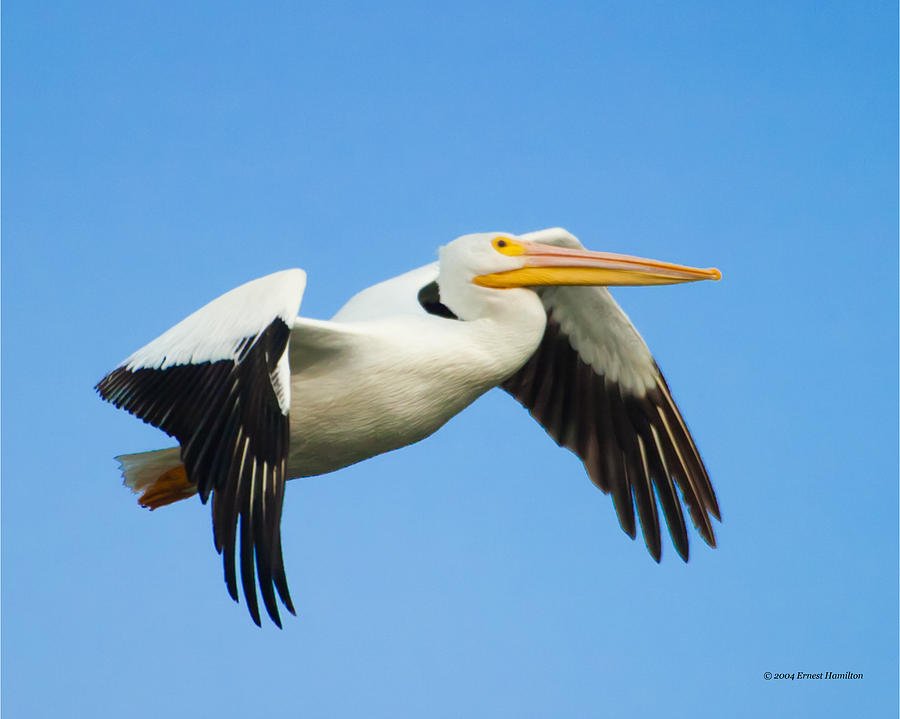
[158, 476]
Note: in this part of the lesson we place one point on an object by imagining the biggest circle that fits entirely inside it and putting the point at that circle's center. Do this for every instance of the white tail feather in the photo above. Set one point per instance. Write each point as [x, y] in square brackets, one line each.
[140, 471]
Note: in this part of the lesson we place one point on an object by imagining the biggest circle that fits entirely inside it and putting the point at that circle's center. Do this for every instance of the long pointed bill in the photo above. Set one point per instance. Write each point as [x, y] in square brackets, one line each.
[549, 265]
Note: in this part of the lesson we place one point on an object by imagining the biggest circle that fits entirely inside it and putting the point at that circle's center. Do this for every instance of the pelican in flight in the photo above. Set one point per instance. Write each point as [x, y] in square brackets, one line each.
[256, 395]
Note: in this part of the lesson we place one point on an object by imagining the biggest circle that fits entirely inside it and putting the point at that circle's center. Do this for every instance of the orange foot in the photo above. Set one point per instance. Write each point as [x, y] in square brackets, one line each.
[172, 485]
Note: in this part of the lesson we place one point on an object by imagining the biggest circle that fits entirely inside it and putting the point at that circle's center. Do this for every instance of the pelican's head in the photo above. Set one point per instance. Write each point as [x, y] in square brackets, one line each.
[493, 261]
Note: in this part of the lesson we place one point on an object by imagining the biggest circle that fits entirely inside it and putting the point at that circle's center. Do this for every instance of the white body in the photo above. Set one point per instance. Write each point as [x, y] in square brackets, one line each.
[360, 387]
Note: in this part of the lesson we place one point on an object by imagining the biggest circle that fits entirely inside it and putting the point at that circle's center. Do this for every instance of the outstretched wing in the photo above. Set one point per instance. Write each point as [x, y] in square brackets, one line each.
[219, 382]
[594, 386]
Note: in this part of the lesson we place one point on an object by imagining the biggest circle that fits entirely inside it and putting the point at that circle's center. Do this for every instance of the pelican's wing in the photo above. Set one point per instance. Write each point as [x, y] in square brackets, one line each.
[594, 386]
[219, 381]
[400, 295]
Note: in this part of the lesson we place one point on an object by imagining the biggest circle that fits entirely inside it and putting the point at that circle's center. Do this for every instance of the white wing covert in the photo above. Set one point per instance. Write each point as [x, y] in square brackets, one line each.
[399, 295]
[219, 382]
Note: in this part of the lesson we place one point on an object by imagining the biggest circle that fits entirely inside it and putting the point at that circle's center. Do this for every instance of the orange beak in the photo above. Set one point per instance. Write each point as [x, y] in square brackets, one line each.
[550, 265]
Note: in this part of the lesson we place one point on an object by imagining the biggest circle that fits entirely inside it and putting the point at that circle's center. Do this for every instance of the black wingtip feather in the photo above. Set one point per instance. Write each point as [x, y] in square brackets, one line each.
[261, 545]
[668, 497]
[248, 580]
[616, 460]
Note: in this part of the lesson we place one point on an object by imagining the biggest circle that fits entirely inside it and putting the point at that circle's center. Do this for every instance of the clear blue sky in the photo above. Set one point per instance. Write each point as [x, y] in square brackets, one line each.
[157, 154]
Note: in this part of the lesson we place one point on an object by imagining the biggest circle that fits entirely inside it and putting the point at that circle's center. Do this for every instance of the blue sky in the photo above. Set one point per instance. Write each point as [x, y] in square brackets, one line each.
[155, 155]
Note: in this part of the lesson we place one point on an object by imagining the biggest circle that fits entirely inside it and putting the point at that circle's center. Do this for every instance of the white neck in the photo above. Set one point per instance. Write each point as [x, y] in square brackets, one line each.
[506, 325]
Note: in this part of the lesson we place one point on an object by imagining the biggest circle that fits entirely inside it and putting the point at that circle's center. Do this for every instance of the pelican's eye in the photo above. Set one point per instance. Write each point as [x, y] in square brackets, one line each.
[506, 246]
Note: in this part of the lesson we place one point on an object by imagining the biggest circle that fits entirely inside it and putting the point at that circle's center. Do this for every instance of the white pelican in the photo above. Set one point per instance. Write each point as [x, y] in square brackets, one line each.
[256, 395]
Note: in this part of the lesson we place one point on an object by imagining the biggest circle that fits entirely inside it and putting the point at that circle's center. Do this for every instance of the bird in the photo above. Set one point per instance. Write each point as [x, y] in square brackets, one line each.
[256, 395]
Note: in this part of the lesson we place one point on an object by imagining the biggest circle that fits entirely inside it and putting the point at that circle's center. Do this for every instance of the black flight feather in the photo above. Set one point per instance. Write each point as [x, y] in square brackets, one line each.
[635, 447]
[234, 443]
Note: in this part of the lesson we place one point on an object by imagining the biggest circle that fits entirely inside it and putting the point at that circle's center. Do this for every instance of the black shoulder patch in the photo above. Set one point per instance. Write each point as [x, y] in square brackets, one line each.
[430, 299]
